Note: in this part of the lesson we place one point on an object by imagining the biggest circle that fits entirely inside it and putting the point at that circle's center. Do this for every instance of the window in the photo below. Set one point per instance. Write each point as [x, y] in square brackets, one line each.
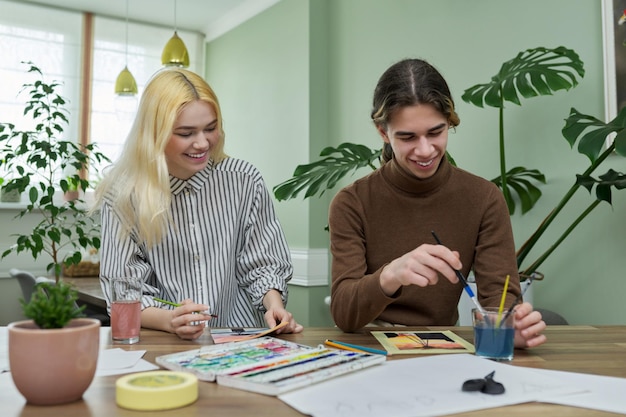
[52, 40]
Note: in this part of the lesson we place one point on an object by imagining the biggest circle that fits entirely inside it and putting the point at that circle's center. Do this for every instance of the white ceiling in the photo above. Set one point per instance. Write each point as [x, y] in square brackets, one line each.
[211, 17]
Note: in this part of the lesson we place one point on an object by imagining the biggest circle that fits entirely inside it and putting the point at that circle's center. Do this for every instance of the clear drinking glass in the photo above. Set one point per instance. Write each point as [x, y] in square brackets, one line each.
[126, 309]
[494, 333]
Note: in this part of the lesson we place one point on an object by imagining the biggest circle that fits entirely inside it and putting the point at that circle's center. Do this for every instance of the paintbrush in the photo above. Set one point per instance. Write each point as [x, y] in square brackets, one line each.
[459, 275]
[506, 285]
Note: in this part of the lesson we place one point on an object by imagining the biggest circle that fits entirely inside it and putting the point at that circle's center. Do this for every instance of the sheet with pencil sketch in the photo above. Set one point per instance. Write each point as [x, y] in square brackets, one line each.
[421, 341]
[605, 393]
[424, 386]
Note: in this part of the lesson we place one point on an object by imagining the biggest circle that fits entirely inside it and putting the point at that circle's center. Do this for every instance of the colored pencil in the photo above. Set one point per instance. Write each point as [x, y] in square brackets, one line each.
[353, 348]
[160, 300]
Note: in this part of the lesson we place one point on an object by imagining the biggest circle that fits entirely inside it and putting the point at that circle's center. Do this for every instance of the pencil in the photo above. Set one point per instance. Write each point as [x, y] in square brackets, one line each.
[506, 285]
[353, 348]
[160, 300]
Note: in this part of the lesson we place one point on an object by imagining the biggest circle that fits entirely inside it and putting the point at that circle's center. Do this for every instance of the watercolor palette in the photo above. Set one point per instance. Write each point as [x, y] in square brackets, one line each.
[267, 365]
[209, 361]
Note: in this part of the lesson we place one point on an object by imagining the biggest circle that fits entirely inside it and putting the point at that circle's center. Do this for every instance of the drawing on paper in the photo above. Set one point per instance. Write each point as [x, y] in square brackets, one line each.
[412, 342]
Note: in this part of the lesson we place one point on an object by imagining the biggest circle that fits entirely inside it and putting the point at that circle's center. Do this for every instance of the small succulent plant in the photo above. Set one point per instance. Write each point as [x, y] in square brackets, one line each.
[52, 305]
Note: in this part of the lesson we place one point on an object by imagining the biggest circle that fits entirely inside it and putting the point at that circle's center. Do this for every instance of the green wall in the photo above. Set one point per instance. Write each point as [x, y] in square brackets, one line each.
[270, 75]
[300, 76]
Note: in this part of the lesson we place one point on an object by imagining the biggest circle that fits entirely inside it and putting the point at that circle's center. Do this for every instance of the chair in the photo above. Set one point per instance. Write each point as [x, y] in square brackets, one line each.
[26, 280]
[551, 317]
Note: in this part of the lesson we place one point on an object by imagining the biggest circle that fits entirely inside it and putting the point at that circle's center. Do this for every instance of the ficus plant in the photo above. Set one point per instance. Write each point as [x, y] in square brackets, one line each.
[534, 72]
[44, 165]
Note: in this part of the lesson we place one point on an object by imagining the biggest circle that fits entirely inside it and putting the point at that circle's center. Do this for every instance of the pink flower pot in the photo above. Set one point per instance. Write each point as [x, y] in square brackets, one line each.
[53, 366]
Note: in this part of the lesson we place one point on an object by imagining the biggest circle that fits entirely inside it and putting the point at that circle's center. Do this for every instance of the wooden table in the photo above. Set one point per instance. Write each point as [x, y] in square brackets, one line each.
[597, 350]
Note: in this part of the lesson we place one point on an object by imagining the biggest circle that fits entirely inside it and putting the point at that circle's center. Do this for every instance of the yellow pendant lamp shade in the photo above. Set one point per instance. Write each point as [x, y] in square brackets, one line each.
[125, 85]
[175, 53]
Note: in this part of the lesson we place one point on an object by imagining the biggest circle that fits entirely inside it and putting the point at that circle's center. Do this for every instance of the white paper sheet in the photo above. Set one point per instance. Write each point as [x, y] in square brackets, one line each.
[119, 361]
[606, 393]
[429, 386]
[4, 349]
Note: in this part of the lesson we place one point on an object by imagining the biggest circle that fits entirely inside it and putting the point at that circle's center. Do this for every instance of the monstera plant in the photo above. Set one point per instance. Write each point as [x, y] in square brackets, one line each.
[533, 72]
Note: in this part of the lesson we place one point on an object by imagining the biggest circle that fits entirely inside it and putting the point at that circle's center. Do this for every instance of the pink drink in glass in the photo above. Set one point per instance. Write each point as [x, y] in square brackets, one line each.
[125, 321]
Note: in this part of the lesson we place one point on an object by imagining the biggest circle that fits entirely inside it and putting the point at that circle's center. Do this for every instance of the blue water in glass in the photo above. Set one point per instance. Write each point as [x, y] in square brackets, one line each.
[494, 343]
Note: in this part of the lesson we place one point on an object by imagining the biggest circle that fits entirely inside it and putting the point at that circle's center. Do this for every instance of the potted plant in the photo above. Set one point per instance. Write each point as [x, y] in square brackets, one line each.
[534, 72]
[73, 188]
[53, 356]
[39, 161]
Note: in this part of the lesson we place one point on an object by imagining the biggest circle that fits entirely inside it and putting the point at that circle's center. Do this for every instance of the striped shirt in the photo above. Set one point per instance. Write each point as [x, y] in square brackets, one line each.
[224, 248]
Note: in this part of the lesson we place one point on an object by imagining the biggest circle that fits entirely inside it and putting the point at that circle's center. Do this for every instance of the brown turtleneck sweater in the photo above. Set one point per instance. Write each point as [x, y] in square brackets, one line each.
[389, 213]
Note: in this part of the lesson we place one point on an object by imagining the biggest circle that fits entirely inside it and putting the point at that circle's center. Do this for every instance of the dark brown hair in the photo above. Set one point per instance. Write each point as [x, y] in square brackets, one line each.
[407, 83]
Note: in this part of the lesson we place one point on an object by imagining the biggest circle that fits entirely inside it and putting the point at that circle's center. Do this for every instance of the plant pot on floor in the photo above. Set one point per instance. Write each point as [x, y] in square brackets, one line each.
[53, 366]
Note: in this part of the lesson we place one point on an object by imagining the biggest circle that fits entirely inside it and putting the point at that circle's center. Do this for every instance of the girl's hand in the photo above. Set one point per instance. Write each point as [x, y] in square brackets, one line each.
[280, 315]
[276, 313]
[189, 320]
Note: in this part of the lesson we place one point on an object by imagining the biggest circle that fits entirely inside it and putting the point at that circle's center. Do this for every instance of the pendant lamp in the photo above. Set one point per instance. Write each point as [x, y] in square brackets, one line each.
[125, 85]
[175, 52]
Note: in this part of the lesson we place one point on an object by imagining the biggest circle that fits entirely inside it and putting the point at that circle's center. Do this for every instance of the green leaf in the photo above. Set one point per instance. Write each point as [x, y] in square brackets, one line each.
[317, 177]
[52, 306]
[534, 72]
[591, 133]
[603, 186]
[521, 185]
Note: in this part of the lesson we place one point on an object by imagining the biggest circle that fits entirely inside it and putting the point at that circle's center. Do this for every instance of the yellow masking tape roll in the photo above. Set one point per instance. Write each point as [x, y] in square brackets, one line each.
[156, 390]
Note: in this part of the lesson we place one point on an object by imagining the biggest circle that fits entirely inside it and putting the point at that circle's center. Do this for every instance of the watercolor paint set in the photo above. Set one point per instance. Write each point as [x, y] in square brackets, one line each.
[267, 365]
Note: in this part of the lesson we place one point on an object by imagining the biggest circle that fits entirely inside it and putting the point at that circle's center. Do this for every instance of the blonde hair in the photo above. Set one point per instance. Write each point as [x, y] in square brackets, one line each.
[138, 185]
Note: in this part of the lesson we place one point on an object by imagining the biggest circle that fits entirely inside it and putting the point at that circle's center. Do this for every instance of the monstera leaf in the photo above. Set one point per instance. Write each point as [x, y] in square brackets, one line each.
[593, 142]
[520, 181]
[534, 72]
[324, 174]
